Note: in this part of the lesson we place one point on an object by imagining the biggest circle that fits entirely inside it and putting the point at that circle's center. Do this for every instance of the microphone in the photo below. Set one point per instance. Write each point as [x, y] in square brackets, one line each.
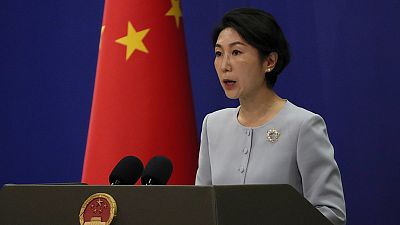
[127, 171]
[157, 171]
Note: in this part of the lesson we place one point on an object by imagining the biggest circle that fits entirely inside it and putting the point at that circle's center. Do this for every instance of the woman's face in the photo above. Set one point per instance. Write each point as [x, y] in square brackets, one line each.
[238, 65]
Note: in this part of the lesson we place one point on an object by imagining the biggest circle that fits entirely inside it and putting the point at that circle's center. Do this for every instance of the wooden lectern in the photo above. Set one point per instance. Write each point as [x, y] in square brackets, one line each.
[161, 205]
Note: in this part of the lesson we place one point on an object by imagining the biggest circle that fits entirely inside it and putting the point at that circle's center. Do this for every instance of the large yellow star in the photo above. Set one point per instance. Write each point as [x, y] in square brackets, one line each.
[101, 34]
[133, 40]
[175, 11]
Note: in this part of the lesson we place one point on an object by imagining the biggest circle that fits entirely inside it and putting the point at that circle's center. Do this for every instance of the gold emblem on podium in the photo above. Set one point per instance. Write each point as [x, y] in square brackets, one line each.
[98, 209]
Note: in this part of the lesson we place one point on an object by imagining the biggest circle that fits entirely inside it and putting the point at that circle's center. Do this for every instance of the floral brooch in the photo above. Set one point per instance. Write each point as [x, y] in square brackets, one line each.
[273, 135]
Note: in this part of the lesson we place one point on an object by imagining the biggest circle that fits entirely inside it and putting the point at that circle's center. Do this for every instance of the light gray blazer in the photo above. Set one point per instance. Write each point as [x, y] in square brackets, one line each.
[301, 156]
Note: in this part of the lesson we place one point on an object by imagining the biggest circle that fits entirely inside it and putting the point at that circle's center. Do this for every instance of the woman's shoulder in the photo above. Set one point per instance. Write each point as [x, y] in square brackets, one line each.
[299, 119]
[224, 112]
[294, 113]
[222, 115]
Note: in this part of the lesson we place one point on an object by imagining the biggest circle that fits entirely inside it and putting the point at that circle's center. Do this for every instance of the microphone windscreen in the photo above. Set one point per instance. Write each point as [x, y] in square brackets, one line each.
[127, 171]
[157, 172]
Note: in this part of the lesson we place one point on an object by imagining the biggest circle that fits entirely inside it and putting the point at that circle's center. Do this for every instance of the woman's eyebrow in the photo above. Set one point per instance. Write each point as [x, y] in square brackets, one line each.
[231, 44]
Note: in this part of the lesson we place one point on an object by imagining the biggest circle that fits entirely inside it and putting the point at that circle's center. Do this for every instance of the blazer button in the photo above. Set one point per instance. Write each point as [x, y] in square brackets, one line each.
[245, 150]
[248, 132]
[241, 169]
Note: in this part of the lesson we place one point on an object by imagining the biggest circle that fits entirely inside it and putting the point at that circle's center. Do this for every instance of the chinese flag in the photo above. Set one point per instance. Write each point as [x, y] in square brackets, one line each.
[142, 103]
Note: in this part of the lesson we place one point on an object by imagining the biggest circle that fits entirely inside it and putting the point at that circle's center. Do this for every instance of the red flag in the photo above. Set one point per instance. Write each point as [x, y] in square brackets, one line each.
[142, 103]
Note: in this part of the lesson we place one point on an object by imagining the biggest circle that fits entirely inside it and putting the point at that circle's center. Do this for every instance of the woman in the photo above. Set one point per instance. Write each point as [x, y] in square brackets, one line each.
[267, 139]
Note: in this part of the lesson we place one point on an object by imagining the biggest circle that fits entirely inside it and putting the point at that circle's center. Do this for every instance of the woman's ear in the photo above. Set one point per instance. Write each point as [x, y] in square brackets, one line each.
[270, 62]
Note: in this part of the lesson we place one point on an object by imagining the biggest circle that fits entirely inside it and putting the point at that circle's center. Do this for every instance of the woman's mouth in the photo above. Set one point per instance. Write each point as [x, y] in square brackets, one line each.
[229, 84]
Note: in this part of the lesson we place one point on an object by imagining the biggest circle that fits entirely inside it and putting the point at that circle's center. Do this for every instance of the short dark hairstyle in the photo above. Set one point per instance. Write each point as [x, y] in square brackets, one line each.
[261, 31]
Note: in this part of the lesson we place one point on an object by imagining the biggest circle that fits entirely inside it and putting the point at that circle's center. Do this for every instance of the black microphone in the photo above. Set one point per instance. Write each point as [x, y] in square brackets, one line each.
[157, 171]
[127, 171]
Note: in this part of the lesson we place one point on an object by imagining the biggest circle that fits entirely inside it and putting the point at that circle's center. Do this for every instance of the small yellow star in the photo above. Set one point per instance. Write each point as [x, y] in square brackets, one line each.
[175, 11]
[133, 40]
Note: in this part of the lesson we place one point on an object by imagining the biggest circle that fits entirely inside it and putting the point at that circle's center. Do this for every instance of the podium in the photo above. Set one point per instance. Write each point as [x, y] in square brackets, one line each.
[161, 205]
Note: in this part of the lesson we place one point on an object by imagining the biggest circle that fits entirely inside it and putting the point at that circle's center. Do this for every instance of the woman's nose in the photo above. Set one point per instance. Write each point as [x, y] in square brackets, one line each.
[226, 64]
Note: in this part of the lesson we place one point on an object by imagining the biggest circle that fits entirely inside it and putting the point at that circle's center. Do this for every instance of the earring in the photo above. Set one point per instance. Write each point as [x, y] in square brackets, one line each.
[268, 70]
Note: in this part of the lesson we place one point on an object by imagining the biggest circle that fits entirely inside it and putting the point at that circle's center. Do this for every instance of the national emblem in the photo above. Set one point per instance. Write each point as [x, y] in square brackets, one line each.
[98, 209]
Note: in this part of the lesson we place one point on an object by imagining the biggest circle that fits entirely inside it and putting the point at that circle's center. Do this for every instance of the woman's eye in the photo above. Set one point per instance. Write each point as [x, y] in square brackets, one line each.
[236, 52]
[218, 53]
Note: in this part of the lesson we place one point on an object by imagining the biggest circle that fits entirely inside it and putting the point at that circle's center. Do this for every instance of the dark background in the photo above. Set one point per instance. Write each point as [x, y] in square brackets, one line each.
[344, 67]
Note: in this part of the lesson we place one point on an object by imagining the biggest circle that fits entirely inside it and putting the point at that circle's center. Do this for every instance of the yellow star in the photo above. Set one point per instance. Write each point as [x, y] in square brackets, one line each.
[133, 40]
[175, 11]
[101, 34]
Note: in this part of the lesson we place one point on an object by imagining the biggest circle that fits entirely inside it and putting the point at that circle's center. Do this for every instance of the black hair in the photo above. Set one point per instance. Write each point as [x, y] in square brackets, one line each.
[261, 31]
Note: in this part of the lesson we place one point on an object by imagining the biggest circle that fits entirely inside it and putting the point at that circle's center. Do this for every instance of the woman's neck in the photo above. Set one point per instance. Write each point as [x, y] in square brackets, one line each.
[260, 108]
